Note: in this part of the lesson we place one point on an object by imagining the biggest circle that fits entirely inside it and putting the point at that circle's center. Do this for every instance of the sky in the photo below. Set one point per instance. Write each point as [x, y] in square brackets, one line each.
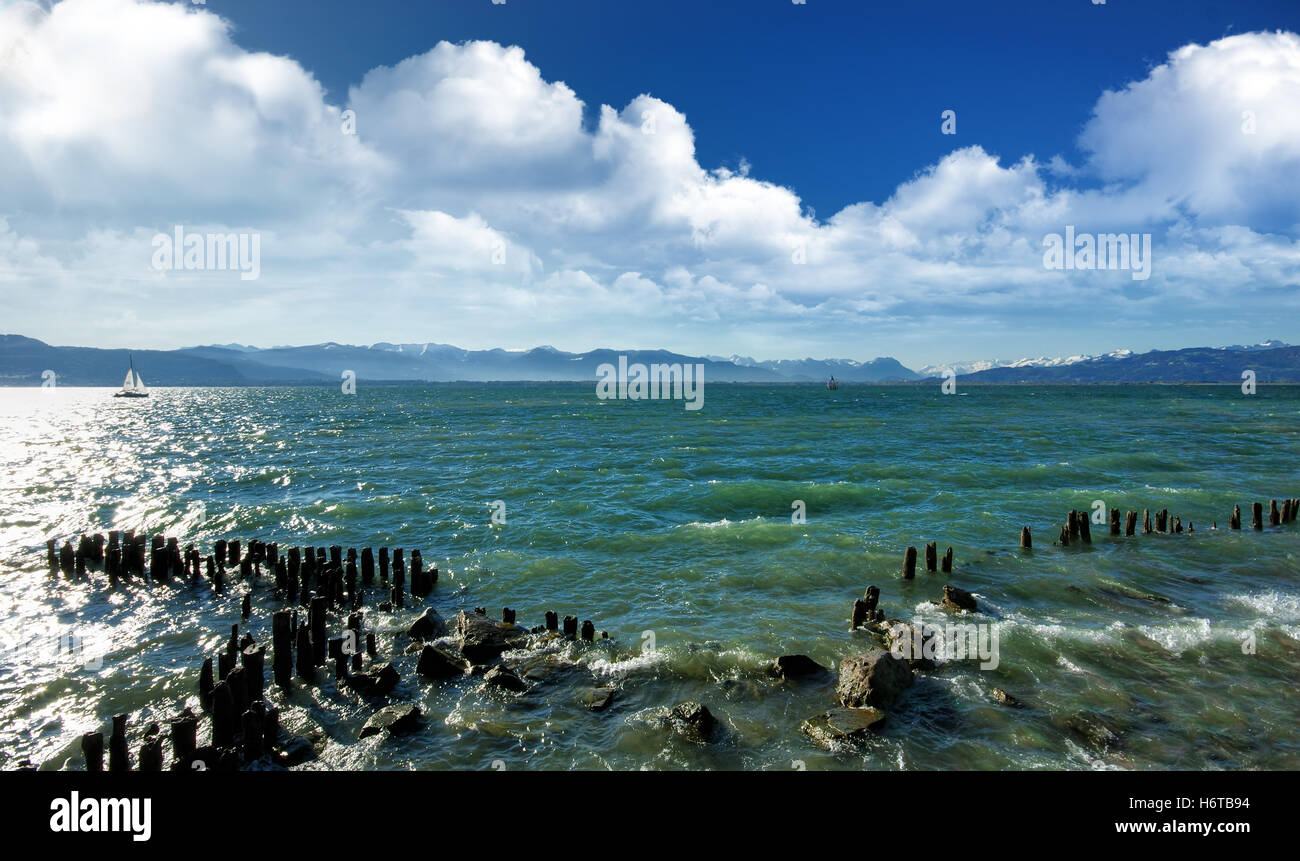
[765, 178]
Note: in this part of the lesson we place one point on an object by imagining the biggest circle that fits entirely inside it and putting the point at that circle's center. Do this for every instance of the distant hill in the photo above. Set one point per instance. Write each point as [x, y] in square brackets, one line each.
[23, 359]
[1192, 365]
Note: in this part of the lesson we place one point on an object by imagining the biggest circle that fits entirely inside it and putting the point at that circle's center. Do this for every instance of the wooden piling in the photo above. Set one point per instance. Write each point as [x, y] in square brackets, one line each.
[184, 736]
[117, 755]
[909, 563]
[1114, 521]
[552, 620]
[1085, 527]
[1274, 514]
[1234, 520]
[1026, 540]
[92, 749]
[151, 755]
[507, 615]
[253, 660]
[1072, 521]
[1130, 523]
[306, 663]
[860, 614]
[946, 564]
[931, 556]
[1257, 516]
[367, 566]
[282, 647]
[1146, 521]
[317, 621]
[223, 715]
[206, 685]
[571, 627]
[383, 564]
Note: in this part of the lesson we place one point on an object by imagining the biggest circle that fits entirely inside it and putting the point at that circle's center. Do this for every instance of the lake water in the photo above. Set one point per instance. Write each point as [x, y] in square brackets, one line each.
[672, 530]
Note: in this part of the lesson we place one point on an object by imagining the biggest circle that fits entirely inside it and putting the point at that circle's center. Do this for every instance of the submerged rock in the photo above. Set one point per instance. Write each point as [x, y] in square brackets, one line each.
[436, 663]
[397, 720]
[693, 720]
[376, 681]
[429, 626]
[797, 666]
[504, 677]
[598, 699]
[843, 725]
[1091, 729]
[957, 599]
[1007, 699]
[876, 678]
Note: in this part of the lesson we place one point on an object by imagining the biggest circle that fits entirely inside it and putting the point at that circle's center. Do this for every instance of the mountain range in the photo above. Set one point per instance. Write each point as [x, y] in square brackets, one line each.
[23, 360]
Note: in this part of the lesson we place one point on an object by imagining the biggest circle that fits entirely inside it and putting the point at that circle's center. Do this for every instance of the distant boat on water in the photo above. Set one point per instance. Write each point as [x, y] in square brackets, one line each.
[132, 386]
[832, 383]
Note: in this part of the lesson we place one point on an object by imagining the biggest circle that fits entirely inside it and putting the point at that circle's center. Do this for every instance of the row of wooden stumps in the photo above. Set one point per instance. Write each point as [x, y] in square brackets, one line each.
[1077, 527]
[298, 572]
[932, 561]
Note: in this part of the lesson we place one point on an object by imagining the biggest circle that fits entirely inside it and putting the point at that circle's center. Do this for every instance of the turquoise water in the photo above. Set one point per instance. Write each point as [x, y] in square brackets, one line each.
[672, 530]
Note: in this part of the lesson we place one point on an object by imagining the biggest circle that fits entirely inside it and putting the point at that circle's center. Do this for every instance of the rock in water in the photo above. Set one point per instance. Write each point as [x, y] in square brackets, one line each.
[598, 699]
[693, 720]
[397, 720]
[958, 599]
[436, 663]
[876, 678]
[1006, 699]
[792, 666]
[483, 640]
[429, 626]
[374, 682]
[843, 725]
[504, 677]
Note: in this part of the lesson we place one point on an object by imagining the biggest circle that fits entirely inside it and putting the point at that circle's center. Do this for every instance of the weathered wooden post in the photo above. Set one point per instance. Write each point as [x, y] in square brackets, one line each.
[1146, 521]
[1114, 521]
[151, 756]
[1072, 521]
[1257, 516]
[354, 630]
[1178, 525]
[252, 726]
[931, 556]
[909, 563]
[253, 659]
[282, 647]
[588, 631]
[1274, 515]
[872, 599]
[507, 615]
[117, 754]
[418, 586]
[319, 605]
[237, 682]
[552, 620]
[570, 627]
[92, 749]
[246, 606]
[223, 715]
[232, 553]
[1085, 527]
[370, 645]
[946, 565]
[860, 614]
[1234, 520]
[1026, 540]
[51, 556]
[383, 564]
[1130, 523]
[306, 662]
[399, 569]
[205, 685]
[367, 566]
[184, 736]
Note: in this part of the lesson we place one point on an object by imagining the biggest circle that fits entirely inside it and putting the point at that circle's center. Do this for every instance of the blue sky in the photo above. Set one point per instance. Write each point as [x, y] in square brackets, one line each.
[767, 178]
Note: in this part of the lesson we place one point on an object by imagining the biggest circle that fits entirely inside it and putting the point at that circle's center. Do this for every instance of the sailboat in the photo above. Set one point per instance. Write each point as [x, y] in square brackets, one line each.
[832, 383]
[132, 386]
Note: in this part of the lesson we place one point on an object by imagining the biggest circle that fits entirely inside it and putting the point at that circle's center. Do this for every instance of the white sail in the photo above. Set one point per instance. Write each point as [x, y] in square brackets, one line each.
[139, 383]
[129, 384]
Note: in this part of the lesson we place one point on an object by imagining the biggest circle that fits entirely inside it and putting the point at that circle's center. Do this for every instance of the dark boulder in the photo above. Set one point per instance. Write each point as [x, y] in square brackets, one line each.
[504, 677]
[794, 666]
[1006, 699]
[598, 699]
[957, 599]
[429, 626]
[843, 725]
[438, 663]
[483, 640]
[876, 678]
[374, 682]
[693, 720]
[397, 720]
